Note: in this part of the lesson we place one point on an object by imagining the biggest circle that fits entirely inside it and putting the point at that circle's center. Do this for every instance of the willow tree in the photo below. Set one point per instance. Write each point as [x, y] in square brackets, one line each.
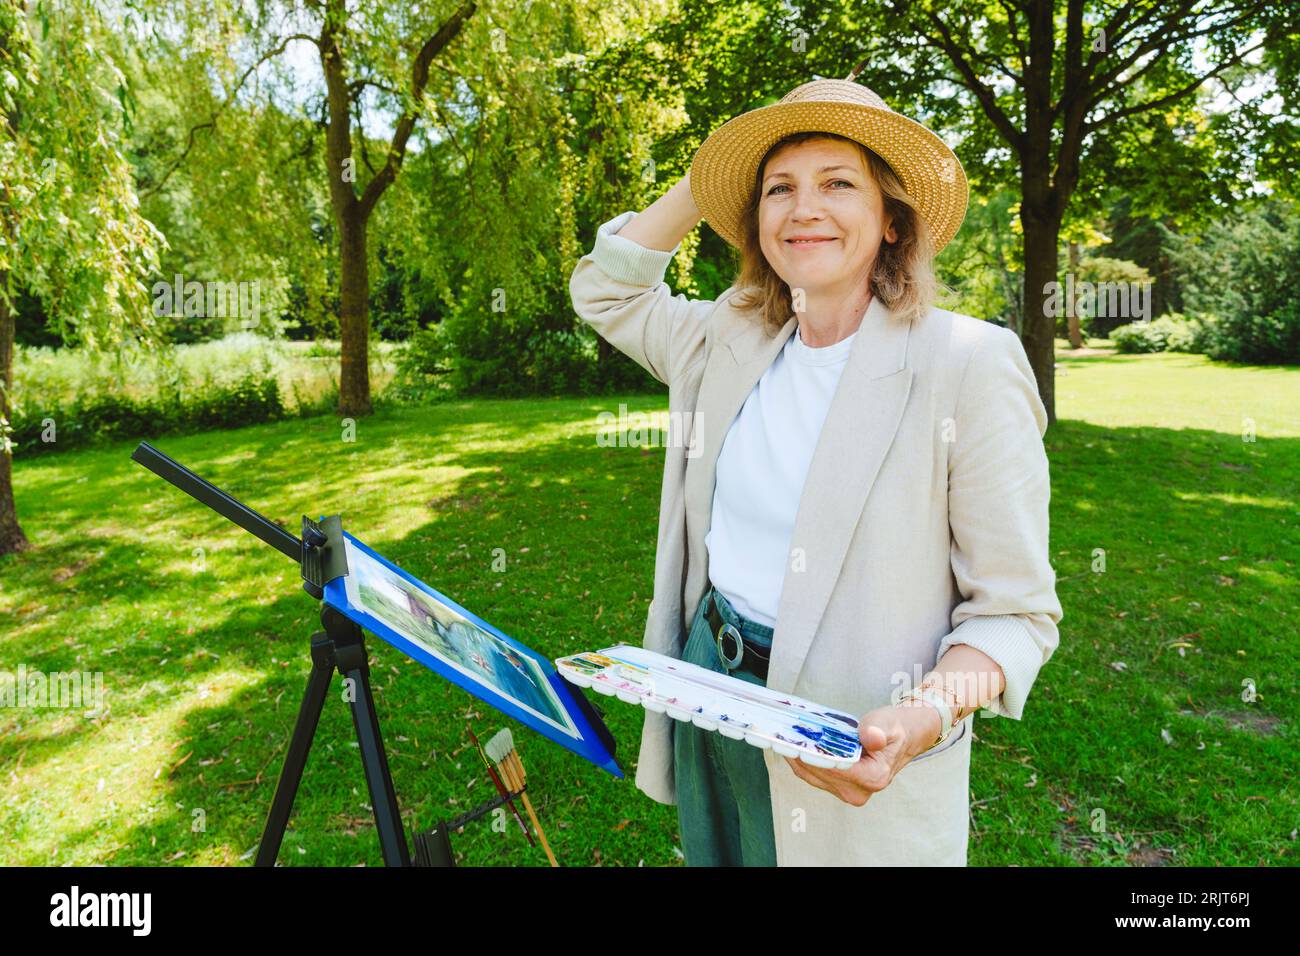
[377, 57]
[70, 230]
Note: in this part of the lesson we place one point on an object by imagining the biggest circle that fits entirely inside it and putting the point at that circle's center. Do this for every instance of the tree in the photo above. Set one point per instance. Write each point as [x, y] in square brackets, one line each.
[1040, 95]
[390, 52]
[70, 230]
[249, 204]
[1051, 85]
[351, 211]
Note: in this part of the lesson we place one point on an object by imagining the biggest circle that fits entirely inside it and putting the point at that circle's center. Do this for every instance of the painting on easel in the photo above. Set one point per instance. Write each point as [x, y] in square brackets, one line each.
[457, 644]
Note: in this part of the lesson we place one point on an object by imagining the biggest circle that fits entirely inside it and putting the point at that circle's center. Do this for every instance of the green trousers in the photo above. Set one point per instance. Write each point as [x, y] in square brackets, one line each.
[724, 808]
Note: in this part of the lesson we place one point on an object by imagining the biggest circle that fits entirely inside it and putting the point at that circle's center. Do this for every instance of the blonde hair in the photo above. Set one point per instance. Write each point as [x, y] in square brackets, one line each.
[902, 276]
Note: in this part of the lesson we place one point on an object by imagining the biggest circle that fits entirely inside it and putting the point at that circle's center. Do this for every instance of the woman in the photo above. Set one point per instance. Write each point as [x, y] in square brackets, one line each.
[860, 515]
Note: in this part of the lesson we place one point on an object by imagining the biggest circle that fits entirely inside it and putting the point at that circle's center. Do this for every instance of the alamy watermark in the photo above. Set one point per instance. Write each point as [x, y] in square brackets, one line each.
[211, 300]
[643, 430]
[1129, 300]
[73, 689]
[975, 687]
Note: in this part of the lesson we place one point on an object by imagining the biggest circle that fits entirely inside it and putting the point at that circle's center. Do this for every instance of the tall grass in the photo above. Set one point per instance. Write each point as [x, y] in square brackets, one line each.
[50, 377]
[68, 397]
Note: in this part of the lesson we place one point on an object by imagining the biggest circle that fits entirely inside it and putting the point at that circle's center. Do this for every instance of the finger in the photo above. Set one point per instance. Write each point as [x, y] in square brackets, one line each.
[858, 781]
[873, 737]
[874, 769]
[804, 773]
[876, 778]
[851, 786]
[871, 774]
[834, 780]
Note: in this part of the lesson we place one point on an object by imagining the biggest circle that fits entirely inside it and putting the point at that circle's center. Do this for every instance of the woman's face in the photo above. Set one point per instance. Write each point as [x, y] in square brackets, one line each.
[821, 189]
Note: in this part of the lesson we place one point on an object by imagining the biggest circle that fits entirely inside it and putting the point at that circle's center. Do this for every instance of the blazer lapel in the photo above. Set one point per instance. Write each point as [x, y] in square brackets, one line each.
[860, 426]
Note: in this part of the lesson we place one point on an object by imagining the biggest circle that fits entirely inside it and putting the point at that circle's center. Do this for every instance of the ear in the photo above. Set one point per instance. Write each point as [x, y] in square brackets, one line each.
[890, 236]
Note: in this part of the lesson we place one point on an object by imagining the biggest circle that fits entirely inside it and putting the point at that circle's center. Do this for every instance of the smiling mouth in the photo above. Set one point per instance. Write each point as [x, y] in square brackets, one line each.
[809, 242]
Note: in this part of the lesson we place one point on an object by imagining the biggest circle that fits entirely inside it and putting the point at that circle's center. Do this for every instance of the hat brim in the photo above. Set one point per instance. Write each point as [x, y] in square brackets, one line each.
[724, 167]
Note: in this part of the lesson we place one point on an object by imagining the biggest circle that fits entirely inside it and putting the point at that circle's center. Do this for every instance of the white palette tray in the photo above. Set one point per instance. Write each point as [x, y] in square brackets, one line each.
[790, 726]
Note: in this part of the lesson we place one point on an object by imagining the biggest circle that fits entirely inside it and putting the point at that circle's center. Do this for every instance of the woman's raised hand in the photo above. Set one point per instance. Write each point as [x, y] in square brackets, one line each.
[666, 221]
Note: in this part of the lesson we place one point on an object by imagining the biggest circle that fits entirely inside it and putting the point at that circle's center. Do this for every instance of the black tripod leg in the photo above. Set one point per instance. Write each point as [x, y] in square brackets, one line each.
[388, 820]
[318, 685]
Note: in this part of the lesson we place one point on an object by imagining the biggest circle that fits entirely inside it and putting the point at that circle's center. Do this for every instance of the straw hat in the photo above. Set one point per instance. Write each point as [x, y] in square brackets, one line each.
[724, 168]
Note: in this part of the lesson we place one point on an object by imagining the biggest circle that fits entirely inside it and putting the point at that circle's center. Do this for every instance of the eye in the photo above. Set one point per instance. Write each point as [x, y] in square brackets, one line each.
[834, 182]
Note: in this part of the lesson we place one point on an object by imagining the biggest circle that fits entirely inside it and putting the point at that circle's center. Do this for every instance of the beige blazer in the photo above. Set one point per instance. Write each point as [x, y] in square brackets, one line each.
[923, 523]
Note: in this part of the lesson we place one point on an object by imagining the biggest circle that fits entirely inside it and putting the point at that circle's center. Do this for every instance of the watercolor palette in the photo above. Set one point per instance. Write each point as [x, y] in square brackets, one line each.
[790, 726]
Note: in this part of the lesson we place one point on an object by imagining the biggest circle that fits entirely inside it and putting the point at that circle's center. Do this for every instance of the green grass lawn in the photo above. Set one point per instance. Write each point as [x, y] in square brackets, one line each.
[201, 633]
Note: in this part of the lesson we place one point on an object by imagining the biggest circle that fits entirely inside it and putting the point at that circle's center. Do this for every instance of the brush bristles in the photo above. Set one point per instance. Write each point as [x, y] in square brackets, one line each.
[499, 747]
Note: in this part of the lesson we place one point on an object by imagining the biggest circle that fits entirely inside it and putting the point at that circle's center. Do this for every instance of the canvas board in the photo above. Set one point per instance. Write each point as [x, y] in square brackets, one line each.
[452, 641]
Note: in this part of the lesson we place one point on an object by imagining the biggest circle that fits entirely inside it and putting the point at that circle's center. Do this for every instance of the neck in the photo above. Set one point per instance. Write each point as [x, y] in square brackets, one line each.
[832, 316]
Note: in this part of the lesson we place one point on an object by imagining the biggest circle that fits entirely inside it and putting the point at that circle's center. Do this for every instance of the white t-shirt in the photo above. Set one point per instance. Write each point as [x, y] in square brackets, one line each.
[761, 471]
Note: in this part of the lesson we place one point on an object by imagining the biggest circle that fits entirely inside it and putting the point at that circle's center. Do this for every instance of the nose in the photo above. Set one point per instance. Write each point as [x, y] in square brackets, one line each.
[807, 206]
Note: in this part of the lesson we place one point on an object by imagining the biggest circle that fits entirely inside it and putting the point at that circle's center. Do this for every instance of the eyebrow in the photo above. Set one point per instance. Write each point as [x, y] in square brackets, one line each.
[824, 169]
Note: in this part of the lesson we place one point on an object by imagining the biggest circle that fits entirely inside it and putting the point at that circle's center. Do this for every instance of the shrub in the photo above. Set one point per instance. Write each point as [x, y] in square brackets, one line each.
[109, 416]
[1185, 334]
[1169, 333]
[1263, 339]
[1244, 272]
[422, 367]
[1137, 337]
[1100, 270]
[243, 379]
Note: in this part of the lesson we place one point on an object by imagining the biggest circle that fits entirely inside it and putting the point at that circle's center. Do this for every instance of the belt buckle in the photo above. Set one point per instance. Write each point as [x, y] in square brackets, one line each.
[729, 630]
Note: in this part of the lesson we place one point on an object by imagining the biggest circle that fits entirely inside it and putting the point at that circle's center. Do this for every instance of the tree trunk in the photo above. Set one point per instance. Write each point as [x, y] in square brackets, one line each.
[354, 315]
[1072, 319]
[11, 533]
[350, 216]
[1038, 329]
[1009, 290]
[604, 357]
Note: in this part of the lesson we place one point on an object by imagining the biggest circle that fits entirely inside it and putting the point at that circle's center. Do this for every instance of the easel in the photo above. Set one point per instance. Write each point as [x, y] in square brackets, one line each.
[342, 647]
[339, 646]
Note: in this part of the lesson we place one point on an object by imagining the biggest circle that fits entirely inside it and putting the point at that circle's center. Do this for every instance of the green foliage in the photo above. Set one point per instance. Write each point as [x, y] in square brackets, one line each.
[1100, 269]
[71, 232]
[1146, 241]
[1243, 278]
[489, 354]
[1169, 333]
[422, 368]
[463, 355]
[236, 187]
[89, 419]
[521, 147]
[217, 384]
[981, 264]
[1269, 339]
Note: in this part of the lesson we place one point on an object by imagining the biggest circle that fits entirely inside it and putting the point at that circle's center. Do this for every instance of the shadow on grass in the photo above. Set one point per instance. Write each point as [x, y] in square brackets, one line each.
[1173, 360]
[577, 525]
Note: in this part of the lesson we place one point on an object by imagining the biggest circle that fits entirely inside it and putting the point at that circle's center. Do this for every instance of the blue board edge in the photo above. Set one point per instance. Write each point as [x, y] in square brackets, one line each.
[597, 745]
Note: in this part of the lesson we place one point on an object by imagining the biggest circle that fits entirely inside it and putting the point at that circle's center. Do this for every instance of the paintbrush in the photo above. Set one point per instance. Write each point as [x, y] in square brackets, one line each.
[501, 788]
[501, 750]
